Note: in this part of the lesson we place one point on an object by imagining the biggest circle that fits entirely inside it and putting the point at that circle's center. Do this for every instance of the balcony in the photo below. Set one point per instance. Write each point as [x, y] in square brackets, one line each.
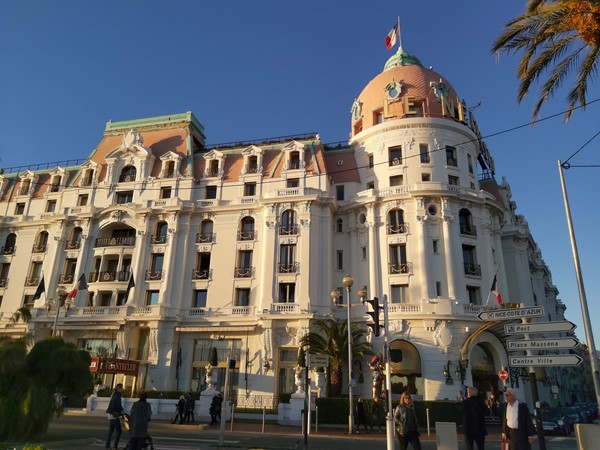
[205, 238]
[287, 267]
[3, 282]
[399, 268]
[158, 239]
[288, 230]
[32, 281]
[153, 275]
[246, 235]
[472, 269]
[284, 308]
[72, 245]
[399, 228]
[8, 250]
[108, 276]
[243, 272]
[38, 248]
[125, 241]
[126, 178]
[64, 278]
[468, 230]
[201, 274]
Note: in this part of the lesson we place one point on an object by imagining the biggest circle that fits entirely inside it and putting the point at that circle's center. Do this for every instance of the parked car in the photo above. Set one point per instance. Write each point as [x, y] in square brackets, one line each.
[554, 421]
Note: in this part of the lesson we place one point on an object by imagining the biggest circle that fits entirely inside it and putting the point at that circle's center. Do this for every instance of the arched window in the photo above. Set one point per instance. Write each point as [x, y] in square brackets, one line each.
[246, 230]
[395, 222]
[10, 244]
[465, 219]
[206, 231]
[160, 237]
[288, 223]
[41, 242]
[75, 241]
[127, 174]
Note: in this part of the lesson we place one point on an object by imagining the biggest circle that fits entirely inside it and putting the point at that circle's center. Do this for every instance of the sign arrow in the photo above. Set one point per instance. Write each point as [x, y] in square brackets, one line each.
[542, 344]
[545, 360]
[512, 313]
[539, 327]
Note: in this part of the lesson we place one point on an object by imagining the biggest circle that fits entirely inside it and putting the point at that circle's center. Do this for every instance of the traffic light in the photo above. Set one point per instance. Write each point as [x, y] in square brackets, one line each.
[374, 314]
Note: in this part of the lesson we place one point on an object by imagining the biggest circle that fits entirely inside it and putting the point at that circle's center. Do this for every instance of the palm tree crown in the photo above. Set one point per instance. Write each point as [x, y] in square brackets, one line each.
[331, 339]
[557, 38]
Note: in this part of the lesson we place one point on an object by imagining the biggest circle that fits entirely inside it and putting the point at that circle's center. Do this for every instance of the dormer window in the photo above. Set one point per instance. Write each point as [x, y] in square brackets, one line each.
[253, 158]
[25, 187]
[294, 156]
[170, 165]
[215, 161]
[55, 183]
[127, 174]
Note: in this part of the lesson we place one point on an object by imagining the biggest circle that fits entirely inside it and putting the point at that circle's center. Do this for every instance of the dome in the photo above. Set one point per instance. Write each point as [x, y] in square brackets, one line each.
[404, 90]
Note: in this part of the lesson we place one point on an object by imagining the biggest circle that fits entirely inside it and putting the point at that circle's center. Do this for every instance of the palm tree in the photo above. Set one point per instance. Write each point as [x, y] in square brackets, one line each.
[22, 313]
[331, 339]
[557, 38]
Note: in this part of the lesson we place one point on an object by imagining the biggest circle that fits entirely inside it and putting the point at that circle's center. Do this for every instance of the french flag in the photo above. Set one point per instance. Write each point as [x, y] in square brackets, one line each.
[392, 37]
[495, 290]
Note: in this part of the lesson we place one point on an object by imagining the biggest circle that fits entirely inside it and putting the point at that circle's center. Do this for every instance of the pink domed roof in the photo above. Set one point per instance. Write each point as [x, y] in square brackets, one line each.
[419, 96]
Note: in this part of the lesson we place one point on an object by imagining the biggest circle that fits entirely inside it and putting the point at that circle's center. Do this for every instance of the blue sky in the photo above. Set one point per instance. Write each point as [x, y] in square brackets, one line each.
[250, 70]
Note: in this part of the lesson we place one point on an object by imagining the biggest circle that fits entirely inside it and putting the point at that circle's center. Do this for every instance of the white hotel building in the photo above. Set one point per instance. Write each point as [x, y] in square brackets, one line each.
[239, 246]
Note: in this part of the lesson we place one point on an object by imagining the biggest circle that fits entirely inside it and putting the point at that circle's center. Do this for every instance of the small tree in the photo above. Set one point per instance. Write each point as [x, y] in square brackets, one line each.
[30, 382]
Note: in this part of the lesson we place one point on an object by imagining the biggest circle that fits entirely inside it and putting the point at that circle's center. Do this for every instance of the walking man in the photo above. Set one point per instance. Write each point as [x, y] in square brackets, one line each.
[516, 422]
[474, 420]
[141, 411]
[114, 411]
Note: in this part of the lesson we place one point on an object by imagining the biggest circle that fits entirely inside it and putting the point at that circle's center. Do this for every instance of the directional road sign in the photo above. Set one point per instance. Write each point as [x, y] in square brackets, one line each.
[538, 327]
[545, 360]
[316, 360]
[542, 344]
[512, 313]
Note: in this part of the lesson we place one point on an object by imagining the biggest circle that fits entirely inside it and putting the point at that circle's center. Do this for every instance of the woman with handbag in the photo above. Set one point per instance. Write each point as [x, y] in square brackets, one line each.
[405, 421]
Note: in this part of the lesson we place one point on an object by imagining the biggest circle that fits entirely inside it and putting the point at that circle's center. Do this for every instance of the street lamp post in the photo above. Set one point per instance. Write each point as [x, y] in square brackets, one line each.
[347, 281]
[61, 293]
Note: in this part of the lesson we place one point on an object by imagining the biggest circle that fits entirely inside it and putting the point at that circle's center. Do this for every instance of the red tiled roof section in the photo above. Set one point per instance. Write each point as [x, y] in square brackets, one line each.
[160, 141]
[342, 167]
[415, 82]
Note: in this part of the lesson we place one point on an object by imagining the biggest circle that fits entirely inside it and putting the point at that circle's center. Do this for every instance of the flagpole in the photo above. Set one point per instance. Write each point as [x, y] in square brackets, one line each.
[399, 34]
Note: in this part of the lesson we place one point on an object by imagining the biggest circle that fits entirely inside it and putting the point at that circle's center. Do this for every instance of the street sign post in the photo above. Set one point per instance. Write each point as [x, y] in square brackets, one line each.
[539, 327]
[542, 344]
[545, 360]
[316, 360]
[512, 313]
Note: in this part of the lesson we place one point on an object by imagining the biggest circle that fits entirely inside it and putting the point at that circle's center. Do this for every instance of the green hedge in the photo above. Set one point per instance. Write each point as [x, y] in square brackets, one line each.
[334, 410]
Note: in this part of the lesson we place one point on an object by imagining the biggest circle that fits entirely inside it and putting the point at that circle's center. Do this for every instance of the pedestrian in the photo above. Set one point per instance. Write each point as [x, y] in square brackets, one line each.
[115, 411]
[187, 409]
[141, 411]
[377, 410]
[407, 426]
[192, 406]
[179, 410]
[474, 420]
[215, 409]
[516, 422]
[361, 415]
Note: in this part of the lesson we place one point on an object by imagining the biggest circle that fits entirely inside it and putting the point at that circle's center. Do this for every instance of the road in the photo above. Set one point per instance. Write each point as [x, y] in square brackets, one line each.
[80, 431]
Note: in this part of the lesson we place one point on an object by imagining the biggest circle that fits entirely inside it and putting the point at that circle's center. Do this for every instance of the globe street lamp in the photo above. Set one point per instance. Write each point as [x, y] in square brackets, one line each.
[347, 281]
[61, 294]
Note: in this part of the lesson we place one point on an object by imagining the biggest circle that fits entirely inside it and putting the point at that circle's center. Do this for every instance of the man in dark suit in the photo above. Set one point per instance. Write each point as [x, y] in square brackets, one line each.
[516, 422]
[474, 420]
